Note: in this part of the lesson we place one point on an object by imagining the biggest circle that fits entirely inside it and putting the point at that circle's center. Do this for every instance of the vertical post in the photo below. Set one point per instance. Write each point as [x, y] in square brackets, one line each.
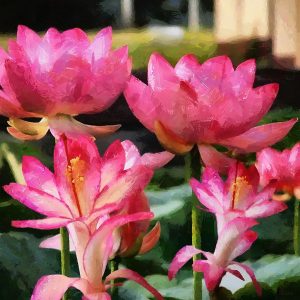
[65, 255]
[193, 169]
[297, 37]
[127, 13]
[194, 15]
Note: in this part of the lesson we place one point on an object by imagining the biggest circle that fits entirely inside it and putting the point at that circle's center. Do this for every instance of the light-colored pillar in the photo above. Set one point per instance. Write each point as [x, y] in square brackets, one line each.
[127, 13]
[193, 15]
[297, 58]
[284, 32]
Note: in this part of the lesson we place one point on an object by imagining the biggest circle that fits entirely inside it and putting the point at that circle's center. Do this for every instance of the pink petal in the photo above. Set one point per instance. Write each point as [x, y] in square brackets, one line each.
[139, 98]
[101, 243]
[265, 209]
[38, 201]
[252, 276]
[161, 74]
[187, 67]
[72, 128]
[235, 273]
[126, 185]
[150, 239]
[156, 160]
[77, 166]
[229, 237]
[259, 137]
[39, 176]
[180, 259]
[101, 45]
[113, 164]
[215, 159]
[44, 224]
[54, 242]
[131, 275]
[24, 137]
[53, 287]
[209, 193]
[132, 154]
[212, 273]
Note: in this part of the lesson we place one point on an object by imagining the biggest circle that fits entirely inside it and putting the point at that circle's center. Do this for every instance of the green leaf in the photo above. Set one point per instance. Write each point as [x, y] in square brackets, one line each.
[248, 292]
[22, 263]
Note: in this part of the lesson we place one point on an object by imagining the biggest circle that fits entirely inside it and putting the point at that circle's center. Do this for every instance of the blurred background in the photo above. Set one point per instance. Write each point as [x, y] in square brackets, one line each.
[267, 30]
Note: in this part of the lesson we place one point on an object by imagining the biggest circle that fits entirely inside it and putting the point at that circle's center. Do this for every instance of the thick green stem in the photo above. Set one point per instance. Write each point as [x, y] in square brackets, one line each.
[193, 169]
[65, 254]
[114, 265]
[296, 228]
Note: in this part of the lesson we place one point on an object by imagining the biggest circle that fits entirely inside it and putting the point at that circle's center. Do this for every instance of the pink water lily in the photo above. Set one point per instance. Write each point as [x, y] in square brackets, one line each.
[283, 167]
[93, 252]
[84, 186]
[205, 104]
[233, 241]
[239, 196]
[59, 76]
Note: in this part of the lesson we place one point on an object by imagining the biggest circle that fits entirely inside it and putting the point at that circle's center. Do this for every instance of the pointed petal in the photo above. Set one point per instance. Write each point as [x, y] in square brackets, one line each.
[139, 98]
[38, 201]
[53, 287]
[132, 154]
[54, 242]
[170, 141]
[150, 239]
[39, 176]
[259, 137]
[25, 130]
[131, 275]
[265, 209]
[101, 45]
[235, 273]
[215, 159]
[252, 276]
[187, 67]
[161, 74]
[180, 259]
[156, 160]
[44, 224]
[101, 244]
[72, 128]
[126, 185]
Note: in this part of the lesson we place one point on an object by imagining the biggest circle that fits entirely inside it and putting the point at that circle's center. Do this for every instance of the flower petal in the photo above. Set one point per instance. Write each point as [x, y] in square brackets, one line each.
[215, 159]
[44, 224]
[39, 176]
[259, 137]
[131, 275]
[150, 239]
[180, 259]
[54, 242]
[38, 201]
[53, 287]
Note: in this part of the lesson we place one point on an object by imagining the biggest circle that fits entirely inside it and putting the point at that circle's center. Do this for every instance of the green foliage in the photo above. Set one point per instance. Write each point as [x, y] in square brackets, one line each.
[248, 292]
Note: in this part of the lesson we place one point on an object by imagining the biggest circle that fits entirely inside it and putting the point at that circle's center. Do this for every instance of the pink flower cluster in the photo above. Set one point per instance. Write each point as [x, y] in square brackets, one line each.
[101, 199]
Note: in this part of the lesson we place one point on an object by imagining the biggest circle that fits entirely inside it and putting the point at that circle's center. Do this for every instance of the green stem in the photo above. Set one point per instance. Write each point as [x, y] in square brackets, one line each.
[65, 254]
[193, 169]
[296, 228]
[114, 265]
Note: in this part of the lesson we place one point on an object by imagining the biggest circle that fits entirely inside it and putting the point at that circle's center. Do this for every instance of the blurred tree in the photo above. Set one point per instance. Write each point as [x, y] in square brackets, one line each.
[127, 13]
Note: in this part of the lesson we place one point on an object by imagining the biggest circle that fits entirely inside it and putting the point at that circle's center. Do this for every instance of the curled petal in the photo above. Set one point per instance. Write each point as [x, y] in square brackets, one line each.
[131, 275]
[63, 124]
[250, 272]
[54, 242]
[25, 130]
[180, 259]
[150, 239]
[53, 287]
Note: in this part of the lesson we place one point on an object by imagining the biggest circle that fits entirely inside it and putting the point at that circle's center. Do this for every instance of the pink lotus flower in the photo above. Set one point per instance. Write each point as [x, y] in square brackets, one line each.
[84, 186]
[233, 241]
[239, 196]
[93, 252]
[205, 104]
[282, 167]
[134, 239]
[59, 76]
